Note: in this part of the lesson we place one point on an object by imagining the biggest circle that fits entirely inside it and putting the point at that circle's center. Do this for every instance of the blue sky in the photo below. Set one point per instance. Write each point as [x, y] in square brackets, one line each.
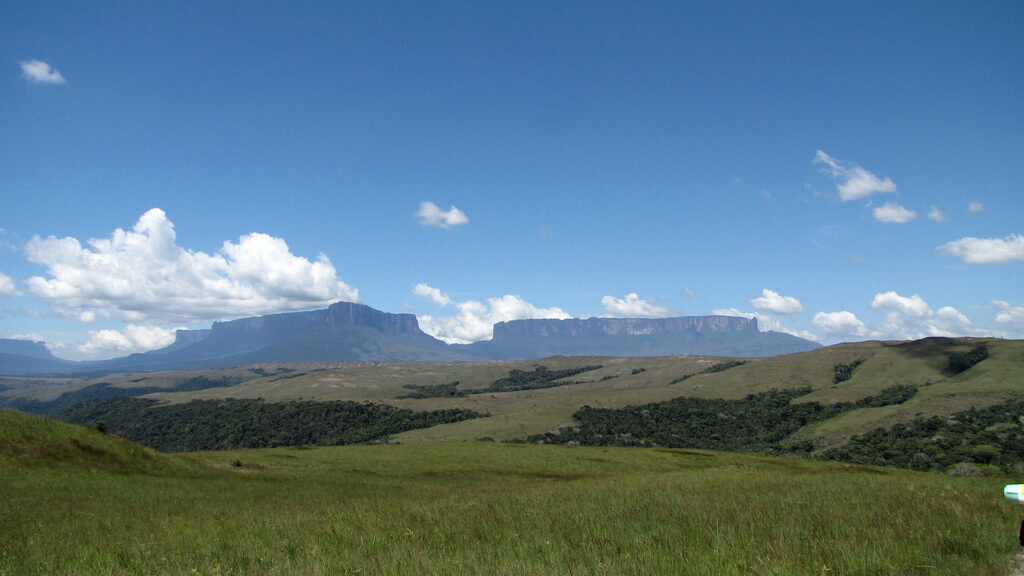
[843, 171]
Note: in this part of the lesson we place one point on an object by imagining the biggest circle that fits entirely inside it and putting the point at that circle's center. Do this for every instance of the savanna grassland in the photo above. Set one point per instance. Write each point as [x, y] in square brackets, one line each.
[80, 502]
[76, 501]
[622, 382]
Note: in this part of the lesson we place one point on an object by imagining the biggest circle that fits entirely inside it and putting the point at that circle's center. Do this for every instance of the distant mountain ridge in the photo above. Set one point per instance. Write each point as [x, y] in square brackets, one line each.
[704, 335]
[347, 331]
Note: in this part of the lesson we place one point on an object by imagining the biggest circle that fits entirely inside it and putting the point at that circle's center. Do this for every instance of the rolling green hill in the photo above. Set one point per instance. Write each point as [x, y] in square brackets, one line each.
[31, 442]
[78, 502]
[633, 381]
[619, 382]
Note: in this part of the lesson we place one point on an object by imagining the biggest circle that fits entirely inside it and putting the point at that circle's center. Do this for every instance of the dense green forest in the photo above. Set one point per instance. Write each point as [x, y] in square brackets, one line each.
[759, 422]
[448, 390]
[232, 423]
[540, 377]
[982, 437]
[962, 362]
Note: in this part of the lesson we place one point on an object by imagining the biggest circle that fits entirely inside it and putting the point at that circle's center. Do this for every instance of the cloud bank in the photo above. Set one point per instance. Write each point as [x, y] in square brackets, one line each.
[41, 73]
[431, 215]
[909, 318]
[142, 275]
[133, 339]
[475, 320]
[852, 181]
[633, 307]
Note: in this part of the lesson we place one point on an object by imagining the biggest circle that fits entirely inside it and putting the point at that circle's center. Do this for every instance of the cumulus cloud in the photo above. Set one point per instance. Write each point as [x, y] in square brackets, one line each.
[1011, 315]
[475, 320]
[771, 301]
[142, 275]
[431, 215]
[41, 73]
[986, 250]
[433, 294]
[766, 323]
[975, 206]
[133, 339]
[891, 212]
[633, 307]
[840, 324]
[914, 306]
[909, 318]
[7, 288]
[852, 181]
[937, 215]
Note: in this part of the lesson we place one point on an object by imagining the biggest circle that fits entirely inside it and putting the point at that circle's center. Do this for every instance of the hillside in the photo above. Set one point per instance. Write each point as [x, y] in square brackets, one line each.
[32, 442]
[632, 381]
[481, 508]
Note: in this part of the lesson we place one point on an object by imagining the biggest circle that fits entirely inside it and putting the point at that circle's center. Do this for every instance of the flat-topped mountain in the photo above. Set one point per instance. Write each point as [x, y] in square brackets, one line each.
[342, 332]
[706, 335]
[347, 332]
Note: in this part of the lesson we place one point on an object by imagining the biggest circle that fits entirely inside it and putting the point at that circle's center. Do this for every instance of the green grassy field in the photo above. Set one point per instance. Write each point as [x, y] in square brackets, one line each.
[519, 414]
[79, 502]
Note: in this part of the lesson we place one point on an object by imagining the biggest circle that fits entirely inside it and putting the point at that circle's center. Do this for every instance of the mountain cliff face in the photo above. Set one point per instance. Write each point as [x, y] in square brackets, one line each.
[342, 332]
[26, 348]
[347, 332]
[590, 327]
[707, 335]
[18, 357]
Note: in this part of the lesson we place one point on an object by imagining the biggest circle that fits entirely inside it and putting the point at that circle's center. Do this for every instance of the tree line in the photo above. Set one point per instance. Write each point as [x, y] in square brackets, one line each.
[757, 423]
[247, 423]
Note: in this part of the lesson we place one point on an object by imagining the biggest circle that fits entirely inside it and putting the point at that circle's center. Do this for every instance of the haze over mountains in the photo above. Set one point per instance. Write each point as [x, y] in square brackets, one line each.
[355, 332]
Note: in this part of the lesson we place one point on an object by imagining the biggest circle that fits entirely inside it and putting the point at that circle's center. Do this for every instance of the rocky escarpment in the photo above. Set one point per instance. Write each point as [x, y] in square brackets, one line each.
[706, 335]
[590, 327]
[345, 331]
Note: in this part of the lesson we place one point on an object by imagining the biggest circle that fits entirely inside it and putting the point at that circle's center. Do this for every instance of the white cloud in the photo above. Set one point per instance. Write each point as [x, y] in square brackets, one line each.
[133, 339]
[913, 306]
[142, 275]
[41, 73]
[975, 206]
[7, 287]
[87, 317]
[633, 307]
[475, 321]
[840, 324]
[986, 250]
[771, 301]
[1012, 315]
[436, 296]
[29, 337]
[689, 294]
[937, 215]
[911, 319]
[891, 212]
[430, 215]
[766, 323]
[852, 181]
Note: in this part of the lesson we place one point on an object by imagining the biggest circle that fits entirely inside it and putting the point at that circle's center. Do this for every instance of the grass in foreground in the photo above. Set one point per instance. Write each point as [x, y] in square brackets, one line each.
[486, 508]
